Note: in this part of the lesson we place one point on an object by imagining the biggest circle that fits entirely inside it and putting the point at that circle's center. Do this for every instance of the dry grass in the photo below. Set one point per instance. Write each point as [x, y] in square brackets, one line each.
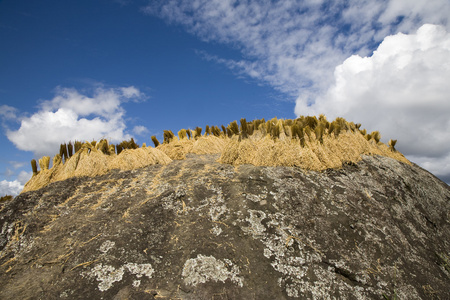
[177, 149]
[332, 153]
[308, 142]
[94, 162]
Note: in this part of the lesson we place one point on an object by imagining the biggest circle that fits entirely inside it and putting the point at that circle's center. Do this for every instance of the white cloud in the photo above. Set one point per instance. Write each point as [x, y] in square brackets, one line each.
[14, 187]
[131, 92]
[72, 116]
[401, 90]
[8, 112]
[294, 46]
[8, 172]
[10, 187]
[24, 176]
[140, 130]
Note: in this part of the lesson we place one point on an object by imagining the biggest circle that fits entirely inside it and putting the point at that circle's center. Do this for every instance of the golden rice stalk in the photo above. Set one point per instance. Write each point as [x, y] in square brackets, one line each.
[234, 128]
[250, 128]
[63, 152]
[311, 122]
[70, 149]
[391, 144]
[133, 145]
[244, 128]
[44, 162]
[168, 136]
[119, 148]
[78, 145]
[103, 146]
[376, 136]
[198, 132]
[182, 134]
[154, 140]
[307, 131]
[34, 167]
[319, 130]
[215, 131]
[229, 132]
[57, 160]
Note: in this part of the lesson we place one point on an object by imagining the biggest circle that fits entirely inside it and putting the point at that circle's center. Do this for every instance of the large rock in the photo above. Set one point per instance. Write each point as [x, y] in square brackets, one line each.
[198, 229]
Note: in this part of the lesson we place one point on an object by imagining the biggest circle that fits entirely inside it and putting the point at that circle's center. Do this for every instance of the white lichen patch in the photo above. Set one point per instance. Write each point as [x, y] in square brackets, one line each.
[216, 230]
[174, 200]
[140, 269]
[106, 246]
[256, 228]
[107, 275]
[215, 212]
[253, 198]
[136, 283]
[208, 268]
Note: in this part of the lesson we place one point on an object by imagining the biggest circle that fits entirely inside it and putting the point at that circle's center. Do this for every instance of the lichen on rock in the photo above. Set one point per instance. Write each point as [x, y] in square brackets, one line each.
[207, 268]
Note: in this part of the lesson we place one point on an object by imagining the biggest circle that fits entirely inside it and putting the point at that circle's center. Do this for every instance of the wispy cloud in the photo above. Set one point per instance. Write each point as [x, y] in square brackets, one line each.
[8, 112]
[71, 115]
[140, 130]
[295, 45]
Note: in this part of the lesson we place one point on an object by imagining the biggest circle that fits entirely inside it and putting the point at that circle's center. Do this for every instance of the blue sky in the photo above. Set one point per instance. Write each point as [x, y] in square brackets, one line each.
[119, 69]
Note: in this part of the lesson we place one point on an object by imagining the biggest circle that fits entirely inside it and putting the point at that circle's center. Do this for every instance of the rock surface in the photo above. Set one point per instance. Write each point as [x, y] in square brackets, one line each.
[198, 229]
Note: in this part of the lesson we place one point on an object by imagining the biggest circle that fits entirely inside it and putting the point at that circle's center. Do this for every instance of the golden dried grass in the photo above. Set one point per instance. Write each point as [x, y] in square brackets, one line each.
[177, 149]
[130, 159]
[333, 153]
[271, 144]
[208, 145]
[95, 163]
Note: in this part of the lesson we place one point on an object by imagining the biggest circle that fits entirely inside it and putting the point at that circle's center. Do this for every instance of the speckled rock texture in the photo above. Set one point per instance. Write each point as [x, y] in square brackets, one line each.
[198, 229]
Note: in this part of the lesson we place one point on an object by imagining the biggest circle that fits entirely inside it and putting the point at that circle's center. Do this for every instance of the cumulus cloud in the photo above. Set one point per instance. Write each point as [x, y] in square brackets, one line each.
[401, 90]
[14, 187]
[71, 116]
[10, 187]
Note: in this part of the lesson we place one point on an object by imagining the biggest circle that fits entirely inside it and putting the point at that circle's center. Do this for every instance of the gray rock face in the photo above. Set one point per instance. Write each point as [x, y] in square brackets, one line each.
[197, 229]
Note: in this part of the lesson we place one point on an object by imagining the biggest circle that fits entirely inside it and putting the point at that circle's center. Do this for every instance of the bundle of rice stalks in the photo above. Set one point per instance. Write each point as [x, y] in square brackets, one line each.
[208, 145]
[138, 158]
[34, 166]
[177, 149]
[391, 144]
[154, 140]
[44, 162]
[182, 134]
[197, 132]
